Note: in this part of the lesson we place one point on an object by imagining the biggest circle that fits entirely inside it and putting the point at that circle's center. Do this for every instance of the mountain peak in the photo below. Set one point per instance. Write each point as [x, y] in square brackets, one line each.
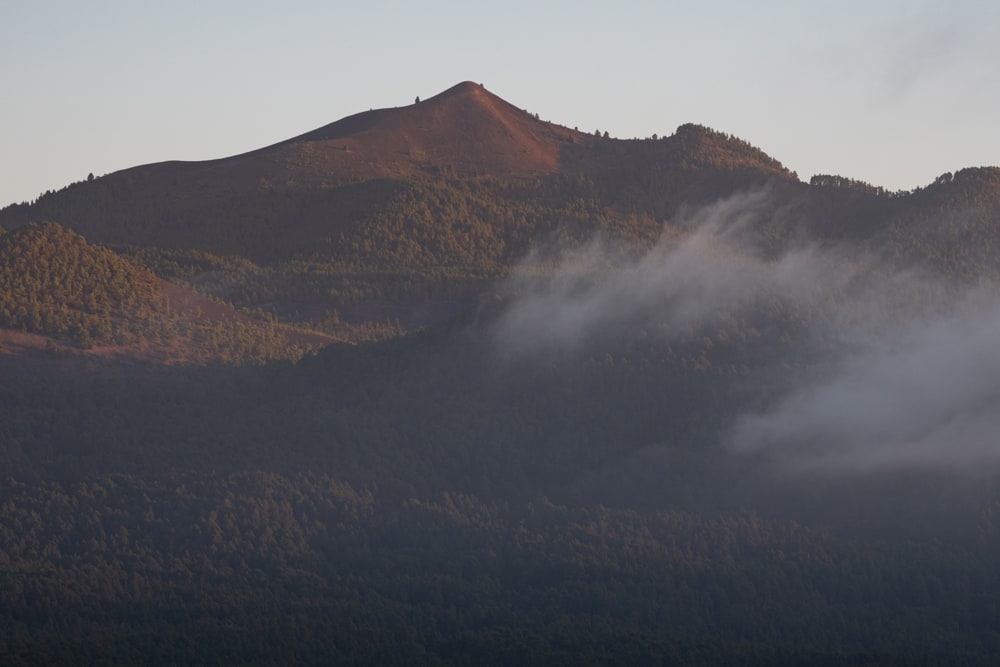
[463, 88]
[465, 130]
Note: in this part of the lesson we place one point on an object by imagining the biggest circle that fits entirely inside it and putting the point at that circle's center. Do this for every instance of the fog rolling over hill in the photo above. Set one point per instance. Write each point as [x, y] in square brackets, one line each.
[901, 372]
[926, 400]
[451, 384]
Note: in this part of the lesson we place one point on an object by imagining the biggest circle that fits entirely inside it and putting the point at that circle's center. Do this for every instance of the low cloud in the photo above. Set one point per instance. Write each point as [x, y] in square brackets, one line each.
[913, 381]
[684, 281]
[927, 397]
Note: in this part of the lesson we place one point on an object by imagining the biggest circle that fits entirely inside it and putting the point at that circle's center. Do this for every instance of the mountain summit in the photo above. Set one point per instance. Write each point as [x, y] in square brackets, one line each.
[464, 131]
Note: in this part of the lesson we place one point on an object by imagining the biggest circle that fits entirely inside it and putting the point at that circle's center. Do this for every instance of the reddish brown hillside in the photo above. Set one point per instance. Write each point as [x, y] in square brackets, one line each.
[464, 131]
[467, 131]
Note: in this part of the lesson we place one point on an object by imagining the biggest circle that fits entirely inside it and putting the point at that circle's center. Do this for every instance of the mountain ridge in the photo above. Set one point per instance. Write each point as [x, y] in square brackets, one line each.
[280, 200]
[390, 219]
[466, 131]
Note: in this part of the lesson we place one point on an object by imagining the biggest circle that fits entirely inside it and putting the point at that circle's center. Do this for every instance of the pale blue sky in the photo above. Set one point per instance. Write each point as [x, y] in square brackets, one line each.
[891, 92]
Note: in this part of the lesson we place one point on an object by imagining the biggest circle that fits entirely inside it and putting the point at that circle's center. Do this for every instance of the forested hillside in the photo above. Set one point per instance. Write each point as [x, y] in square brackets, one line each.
[52, 281]
[448, 384]
[74, 295]
[417, 502]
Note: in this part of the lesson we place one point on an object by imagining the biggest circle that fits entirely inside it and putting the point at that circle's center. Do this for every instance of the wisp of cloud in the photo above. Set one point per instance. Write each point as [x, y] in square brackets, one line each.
[927, 397]
[713, 267]
[914, 382]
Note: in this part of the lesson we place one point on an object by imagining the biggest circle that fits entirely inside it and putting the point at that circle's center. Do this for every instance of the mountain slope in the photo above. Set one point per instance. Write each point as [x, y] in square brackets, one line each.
[59, 292]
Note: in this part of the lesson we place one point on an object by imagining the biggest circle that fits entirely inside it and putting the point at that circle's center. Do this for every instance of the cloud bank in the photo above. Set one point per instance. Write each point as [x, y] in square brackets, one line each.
[927, 397]
[913, 382]
[716, 266]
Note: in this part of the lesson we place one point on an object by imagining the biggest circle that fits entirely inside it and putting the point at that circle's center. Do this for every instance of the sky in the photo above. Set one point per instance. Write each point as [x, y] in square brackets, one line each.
[890, 92]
